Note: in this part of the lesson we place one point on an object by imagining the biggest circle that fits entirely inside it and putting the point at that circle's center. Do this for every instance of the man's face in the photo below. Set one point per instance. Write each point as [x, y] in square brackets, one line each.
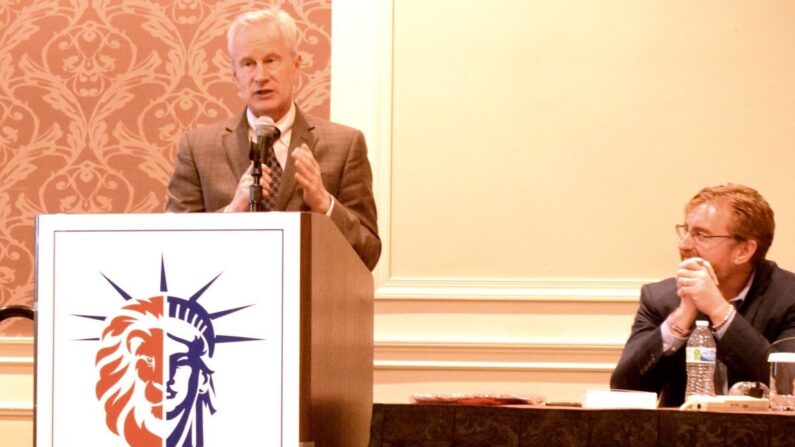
[711, 219]
[264, 70]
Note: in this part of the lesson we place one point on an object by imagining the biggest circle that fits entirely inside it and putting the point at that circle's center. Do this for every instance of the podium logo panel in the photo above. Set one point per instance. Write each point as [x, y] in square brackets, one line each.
[154, 380]
[197, 361]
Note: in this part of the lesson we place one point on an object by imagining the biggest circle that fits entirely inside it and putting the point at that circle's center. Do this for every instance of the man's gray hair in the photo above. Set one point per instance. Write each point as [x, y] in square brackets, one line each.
[264, 17]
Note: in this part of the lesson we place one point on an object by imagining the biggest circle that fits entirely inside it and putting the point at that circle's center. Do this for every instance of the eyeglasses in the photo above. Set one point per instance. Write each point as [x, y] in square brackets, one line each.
[699, 237]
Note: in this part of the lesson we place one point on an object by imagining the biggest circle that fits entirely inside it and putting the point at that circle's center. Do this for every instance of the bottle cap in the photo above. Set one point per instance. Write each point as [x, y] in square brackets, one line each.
[702, 323]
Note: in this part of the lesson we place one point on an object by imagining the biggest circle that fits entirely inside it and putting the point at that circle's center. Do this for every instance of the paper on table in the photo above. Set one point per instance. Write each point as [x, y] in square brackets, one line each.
[477, 399]
[620, 399]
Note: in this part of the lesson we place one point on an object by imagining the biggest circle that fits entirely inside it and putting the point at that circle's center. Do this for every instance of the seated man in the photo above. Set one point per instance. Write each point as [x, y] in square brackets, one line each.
[724, 278]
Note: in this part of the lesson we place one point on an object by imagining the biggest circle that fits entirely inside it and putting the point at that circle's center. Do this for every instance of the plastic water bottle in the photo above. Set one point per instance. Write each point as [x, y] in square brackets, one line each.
[701, 355]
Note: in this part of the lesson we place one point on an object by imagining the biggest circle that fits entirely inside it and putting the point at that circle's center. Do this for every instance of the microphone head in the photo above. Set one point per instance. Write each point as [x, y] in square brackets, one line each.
[265, 127]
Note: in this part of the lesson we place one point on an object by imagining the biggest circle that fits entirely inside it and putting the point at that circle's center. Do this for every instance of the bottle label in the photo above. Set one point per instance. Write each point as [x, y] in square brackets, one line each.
[700, 355]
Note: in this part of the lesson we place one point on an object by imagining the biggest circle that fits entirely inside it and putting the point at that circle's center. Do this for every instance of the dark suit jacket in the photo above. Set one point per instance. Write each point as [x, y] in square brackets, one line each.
[211, 160]
[766, 315]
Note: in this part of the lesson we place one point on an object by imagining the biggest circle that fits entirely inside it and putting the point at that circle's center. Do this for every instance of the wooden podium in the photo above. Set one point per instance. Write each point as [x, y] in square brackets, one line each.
[336, 338]
[256, 330]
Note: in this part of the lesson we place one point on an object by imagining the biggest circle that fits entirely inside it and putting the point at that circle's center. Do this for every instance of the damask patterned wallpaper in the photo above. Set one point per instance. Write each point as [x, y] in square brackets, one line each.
[94, 95]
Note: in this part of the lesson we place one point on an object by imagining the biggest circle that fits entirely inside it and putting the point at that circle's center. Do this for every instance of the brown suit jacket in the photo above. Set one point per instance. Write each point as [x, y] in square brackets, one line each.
[211, 160]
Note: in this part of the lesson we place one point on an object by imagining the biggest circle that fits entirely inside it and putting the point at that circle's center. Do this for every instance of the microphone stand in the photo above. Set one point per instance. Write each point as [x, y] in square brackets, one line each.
[255, 190]
[267, 133]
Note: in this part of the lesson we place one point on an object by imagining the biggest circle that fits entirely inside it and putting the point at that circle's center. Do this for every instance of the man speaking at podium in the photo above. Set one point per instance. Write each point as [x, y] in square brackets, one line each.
[314, 165]
[723, 278]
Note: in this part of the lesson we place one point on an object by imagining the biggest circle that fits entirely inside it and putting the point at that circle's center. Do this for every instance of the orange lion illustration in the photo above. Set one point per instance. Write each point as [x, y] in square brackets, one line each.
[130, 384]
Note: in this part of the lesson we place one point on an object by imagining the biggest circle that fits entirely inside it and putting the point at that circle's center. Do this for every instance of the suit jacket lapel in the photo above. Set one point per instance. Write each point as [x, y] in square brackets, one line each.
[756, 294]
[236, 144]
[301, 133]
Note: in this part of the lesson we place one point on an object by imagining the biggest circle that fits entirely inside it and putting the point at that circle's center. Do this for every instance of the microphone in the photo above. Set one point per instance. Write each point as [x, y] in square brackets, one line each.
[267, 134]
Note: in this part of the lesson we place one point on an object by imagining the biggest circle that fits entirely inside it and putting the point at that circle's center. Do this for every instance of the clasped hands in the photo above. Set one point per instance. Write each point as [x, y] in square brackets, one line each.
[307, 175]
[697, 286]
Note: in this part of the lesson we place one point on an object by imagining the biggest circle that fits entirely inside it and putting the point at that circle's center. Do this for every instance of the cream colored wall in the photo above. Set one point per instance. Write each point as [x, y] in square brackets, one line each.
[531, 159]
[561, 139]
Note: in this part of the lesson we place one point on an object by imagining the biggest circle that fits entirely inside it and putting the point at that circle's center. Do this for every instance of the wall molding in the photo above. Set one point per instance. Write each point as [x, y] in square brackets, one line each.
[15, 361]
[511, 289]
[419, 365]
[16, 351]
[474, 355]
[523, 345]
[16, 410]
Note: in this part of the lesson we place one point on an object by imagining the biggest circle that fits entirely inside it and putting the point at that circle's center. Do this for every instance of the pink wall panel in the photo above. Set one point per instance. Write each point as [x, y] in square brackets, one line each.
[94, 96]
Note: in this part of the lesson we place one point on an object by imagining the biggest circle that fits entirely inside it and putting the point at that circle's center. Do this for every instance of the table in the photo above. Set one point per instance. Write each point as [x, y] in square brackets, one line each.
[410, 425]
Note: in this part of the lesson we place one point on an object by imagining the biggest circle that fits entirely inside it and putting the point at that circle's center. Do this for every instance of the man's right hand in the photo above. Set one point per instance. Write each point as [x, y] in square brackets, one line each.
[240, 202]
[697, 281]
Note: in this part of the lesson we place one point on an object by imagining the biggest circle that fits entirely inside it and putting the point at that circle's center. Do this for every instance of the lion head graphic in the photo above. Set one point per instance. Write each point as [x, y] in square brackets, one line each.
[130, 365]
